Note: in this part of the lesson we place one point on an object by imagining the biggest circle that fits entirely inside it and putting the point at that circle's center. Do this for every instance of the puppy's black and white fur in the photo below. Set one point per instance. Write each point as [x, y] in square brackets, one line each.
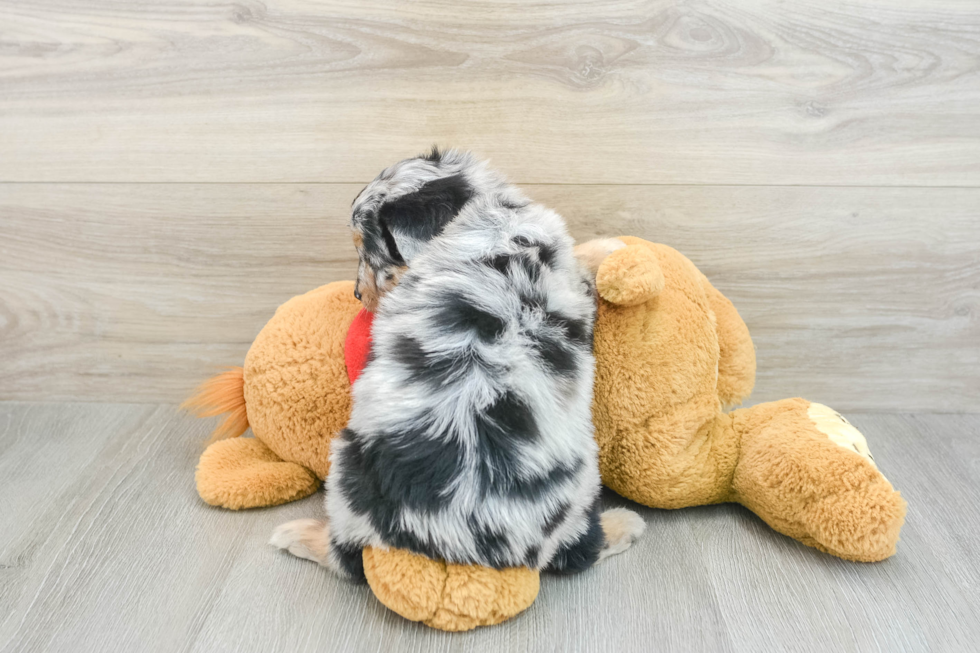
[471, 435]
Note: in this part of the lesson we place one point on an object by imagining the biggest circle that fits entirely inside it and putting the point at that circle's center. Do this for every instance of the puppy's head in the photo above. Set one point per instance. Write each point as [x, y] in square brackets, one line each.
[407, 205]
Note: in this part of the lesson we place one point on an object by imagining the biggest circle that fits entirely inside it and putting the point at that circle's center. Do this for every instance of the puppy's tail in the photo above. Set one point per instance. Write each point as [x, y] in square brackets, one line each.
[224, 393]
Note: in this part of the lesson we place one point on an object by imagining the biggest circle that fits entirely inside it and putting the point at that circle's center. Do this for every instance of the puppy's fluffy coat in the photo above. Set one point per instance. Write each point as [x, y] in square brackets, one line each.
[470, 439]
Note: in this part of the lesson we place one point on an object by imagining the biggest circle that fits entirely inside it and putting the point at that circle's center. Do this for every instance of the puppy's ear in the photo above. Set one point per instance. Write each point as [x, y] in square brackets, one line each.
[391, 245]
[416, 218]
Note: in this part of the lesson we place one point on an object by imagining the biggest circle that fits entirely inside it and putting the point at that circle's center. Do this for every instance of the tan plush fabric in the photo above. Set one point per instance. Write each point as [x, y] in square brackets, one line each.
[244, 473]
[671, 351]
[632, 278]
[294, 393]
[807, 486]
[448, 597]
[296, 386]
[736, 354]
[655, 390]
[665, 367]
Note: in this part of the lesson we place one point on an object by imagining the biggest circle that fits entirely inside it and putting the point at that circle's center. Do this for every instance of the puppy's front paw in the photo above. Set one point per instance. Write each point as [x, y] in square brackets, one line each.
[621, 528]
[304, 538]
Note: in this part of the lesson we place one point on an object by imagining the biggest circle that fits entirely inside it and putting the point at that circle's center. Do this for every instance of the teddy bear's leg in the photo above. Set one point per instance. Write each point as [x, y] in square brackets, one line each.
[445, 596]
[244, 473]
[808, 473]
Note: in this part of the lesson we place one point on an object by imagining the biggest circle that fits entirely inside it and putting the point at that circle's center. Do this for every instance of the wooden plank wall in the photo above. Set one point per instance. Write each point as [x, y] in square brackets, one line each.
[172, 171]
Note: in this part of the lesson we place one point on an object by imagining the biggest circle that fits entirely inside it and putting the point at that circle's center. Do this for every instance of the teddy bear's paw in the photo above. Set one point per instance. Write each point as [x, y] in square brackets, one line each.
[832, 424]
[244, 473]
[446, 596]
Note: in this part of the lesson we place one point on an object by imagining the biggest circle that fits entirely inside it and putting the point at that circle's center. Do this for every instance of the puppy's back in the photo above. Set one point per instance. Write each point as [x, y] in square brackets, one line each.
[471, 435]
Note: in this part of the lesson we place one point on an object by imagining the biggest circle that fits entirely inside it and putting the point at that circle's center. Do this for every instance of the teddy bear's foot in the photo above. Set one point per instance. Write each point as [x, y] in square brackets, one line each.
[445, 596]
[244, 473]
[809, 474]
[859, 523]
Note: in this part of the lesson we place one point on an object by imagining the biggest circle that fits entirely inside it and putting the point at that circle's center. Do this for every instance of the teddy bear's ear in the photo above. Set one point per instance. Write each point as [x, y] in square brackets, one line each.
[630, 276]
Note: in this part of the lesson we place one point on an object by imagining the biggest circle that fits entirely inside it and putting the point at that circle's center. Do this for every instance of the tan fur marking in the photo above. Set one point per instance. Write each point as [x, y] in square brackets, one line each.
[371, 292]
[368, 287]
[396, 276]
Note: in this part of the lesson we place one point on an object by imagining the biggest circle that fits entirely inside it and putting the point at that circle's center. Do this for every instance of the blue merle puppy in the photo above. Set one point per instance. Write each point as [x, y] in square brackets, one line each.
[471, 438]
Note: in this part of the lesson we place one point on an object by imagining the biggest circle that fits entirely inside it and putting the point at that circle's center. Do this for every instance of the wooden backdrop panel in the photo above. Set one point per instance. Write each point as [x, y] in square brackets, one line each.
[862, 298]
[659, 91]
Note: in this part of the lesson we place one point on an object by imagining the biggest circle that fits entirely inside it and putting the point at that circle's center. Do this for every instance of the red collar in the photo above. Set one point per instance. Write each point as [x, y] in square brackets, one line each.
[358, 344]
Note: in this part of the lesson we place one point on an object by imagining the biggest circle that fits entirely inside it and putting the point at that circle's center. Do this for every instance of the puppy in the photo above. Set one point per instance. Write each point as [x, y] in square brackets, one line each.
[470, 439]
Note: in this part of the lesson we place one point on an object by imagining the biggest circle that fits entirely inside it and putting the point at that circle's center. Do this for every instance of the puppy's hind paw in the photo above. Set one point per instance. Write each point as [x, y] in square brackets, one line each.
[621, 528]
[304, 538]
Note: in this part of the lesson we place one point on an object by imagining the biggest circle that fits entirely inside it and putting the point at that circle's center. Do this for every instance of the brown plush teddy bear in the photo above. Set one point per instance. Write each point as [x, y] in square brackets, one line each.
[671, 352]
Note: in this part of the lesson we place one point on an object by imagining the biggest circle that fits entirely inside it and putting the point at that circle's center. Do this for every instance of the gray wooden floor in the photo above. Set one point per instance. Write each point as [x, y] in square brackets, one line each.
[105, 546]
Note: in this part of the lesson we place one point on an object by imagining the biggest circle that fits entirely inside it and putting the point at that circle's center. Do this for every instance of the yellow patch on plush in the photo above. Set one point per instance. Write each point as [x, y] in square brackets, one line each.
[832, 424]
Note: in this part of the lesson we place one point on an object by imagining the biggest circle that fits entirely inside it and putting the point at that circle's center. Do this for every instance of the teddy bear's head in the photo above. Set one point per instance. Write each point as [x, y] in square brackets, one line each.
[656, 343]
[658, 349]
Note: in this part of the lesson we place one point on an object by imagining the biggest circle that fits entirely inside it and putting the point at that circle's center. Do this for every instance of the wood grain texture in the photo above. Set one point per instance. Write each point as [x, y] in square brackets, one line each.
[658, 91]
[104, 546]
[861, 298]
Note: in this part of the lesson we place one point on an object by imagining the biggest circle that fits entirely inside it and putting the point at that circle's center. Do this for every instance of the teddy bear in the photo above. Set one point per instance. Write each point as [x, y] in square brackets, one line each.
[672, 354]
